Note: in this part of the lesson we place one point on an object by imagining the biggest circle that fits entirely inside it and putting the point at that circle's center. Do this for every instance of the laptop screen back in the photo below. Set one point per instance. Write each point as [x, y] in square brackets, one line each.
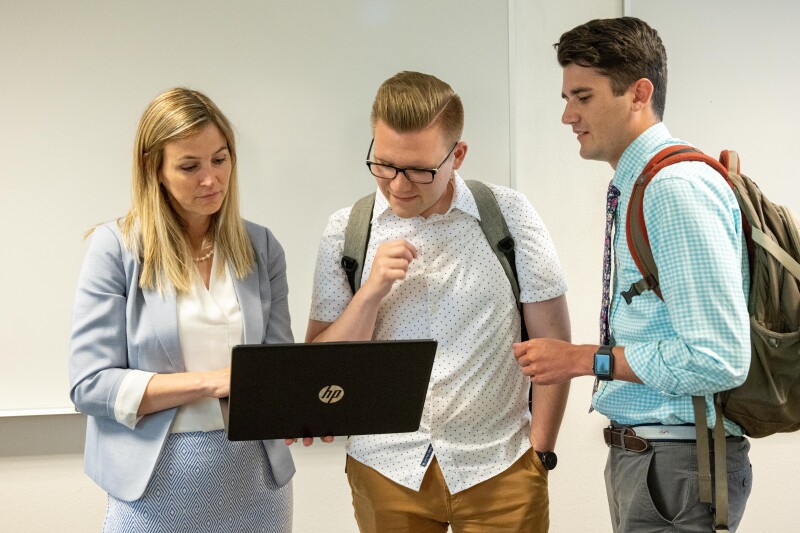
[318, 389]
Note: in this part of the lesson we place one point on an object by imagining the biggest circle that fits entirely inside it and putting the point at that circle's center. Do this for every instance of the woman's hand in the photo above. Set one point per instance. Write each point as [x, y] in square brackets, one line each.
[218, 382]
[165, 391]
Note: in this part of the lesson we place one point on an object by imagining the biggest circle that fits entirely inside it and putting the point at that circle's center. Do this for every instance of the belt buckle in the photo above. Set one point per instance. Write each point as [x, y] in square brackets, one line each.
[622, 432]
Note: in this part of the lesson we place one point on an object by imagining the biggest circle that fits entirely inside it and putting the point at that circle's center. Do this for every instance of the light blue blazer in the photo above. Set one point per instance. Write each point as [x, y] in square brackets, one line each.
[118, 326]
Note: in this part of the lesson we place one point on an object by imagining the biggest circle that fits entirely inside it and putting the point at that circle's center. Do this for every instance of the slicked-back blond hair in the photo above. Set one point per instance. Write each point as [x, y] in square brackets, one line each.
[413, 101]
[152, 228]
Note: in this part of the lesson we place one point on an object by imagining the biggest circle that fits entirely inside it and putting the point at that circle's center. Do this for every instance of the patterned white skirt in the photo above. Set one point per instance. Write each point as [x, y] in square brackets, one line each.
[205, 483]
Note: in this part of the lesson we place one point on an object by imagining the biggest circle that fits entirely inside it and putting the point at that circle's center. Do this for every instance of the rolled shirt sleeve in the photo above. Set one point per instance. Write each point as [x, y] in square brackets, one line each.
[129, 397]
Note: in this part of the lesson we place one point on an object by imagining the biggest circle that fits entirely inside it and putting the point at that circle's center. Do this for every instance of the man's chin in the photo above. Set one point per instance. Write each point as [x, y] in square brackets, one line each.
[404, 210]
[405, 213]
[590, 155]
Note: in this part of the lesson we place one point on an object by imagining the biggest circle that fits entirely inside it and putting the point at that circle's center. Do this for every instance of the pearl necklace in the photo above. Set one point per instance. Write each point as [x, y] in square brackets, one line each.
[206, 256]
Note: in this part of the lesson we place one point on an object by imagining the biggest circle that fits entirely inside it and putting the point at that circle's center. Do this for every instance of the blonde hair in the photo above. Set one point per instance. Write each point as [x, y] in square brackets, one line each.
[152, 229]
[412, 101]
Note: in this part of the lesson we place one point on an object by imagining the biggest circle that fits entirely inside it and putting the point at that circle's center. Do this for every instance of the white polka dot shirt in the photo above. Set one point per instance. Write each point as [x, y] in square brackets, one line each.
[475, 419]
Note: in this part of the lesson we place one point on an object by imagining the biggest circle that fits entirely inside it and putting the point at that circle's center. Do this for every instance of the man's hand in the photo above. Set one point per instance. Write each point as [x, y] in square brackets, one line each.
[308, 441]
[357, 322]
[390, 264]
[552, 361]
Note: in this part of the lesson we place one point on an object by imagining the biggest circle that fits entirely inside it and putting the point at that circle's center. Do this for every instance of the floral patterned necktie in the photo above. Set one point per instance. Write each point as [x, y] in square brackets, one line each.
[612, 199]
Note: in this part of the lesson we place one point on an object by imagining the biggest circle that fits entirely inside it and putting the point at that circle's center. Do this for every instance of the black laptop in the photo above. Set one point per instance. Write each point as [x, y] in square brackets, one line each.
[319, 389]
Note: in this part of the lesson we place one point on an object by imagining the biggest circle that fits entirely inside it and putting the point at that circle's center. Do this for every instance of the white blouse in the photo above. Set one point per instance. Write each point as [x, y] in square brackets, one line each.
[209, 325]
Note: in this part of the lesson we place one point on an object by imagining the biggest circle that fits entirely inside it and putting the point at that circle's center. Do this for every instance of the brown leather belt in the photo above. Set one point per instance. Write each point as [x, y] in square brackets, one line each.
[625, 438]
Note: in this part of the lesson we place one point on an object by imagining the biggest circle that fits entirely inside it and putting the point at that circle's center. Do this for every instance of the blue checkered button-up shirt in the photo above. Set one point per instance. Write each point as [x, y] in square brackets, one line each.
[697, 341]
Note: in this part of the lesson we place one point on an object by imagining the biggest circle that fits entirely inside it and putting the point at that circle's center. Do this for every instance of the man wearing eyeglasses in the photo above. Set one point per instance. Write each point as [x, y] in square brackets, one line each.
[430, 273]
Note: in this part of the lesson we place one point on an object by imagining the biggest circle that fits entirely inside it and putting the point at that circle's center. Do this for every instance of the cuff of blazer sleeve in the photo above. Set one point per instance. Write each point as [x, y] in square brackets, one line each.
[129, 397]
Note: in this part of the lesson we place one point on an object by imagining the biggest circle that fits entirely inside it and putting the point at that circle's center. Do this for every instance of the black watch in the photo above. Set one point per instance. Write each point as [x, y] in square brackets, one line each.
[603, 367]
[548, 459]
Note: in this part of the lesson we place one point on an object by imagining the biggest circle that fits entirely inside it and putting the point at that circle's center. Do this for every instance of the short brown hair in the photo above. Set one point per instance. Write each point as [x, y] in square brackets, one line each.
[625, 49]
[412, 101]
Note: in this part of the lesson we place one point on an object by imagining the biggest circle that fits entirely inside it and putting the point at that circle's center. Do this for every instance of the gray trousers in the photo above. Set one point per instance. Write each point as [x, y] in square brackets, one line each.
[656, 491]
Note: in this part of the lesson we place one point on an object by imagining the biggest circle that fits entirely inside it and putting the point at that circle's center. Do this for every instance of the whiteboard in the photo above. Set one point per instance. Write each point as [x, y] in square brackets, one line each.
[732, 80]
[296, 79]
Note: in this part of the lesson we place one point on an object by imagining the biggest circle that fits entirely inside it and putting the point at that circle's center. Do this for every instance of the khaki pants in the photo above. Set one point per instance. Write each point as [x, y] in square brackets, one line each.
[513, 501]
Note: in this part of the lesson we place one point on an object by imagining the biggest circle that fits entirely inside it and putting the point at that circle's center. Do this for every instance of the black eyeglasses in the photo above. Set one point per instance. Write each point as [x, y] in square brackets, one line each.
[416, 175]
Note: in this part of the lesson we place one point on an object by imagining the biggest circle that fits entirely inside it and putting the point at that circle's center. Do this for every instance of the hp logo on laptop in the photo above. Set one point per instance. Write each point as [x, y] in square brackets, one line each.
[331, 394]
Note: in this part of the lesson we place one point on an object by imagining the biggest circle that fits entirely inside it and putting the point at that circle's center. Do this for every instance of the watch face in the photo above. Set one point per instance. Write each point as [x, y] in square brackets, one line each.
[602, 364]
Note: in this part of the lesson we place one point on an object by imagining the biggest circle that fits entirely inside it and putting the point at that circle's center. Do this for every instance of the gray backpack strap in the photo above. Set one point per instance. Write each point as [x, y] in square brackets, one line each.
[496, 231]
[356, 238]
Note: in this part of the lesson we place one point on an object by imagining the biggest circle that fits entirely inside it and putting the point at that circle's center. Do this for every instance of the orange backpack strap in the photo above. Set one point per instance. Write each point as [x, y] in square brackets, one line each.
[635, 227]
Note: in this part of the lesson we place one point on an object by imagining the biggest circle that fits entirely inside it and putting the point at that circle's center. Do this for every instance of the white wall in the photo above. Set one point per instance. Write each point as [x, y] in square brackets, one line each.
[569, 193]
[41, 480]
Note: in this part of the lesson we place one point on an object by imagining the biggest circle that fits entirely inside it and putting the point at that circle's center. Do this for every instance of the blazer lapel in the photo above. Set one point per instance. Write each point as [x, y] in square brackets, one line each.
[249, 295]
[164, 315]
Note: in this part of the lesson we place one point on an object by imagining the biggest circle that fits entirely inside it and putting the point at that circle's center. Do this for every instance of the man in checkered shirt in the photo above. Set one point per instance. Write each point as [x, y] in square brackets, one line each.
[659, 353]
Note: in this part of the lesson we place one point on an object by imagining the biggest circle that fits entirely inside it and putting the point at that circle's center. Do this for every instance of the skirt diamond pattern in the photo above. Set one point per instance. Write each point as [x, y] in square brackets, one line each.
[205, 483]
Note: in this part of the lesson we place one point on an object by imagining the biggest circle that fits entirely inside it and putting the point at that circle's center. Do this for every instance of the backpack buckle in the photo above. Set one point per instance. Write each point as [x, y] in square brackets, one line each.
[506, 245]
[644, 284]
[349, 264]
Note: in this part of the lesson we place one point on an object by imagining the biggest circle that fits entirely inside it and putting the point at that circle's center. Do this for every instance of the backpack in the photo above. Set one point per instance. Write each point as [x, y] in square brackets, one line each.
[769, 400]
[492, 223]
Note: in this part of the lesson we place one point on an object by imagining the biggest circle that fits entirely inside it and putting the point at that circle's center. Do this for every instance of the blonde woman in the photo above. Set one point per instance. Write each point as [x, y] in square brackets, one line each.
[163, 295]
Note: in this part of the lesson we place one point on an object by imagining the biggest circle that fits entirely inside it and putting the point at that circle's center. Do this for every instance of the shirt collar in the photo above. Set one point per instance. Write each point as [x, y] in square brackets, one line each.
[638, 153]
[462, 200]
